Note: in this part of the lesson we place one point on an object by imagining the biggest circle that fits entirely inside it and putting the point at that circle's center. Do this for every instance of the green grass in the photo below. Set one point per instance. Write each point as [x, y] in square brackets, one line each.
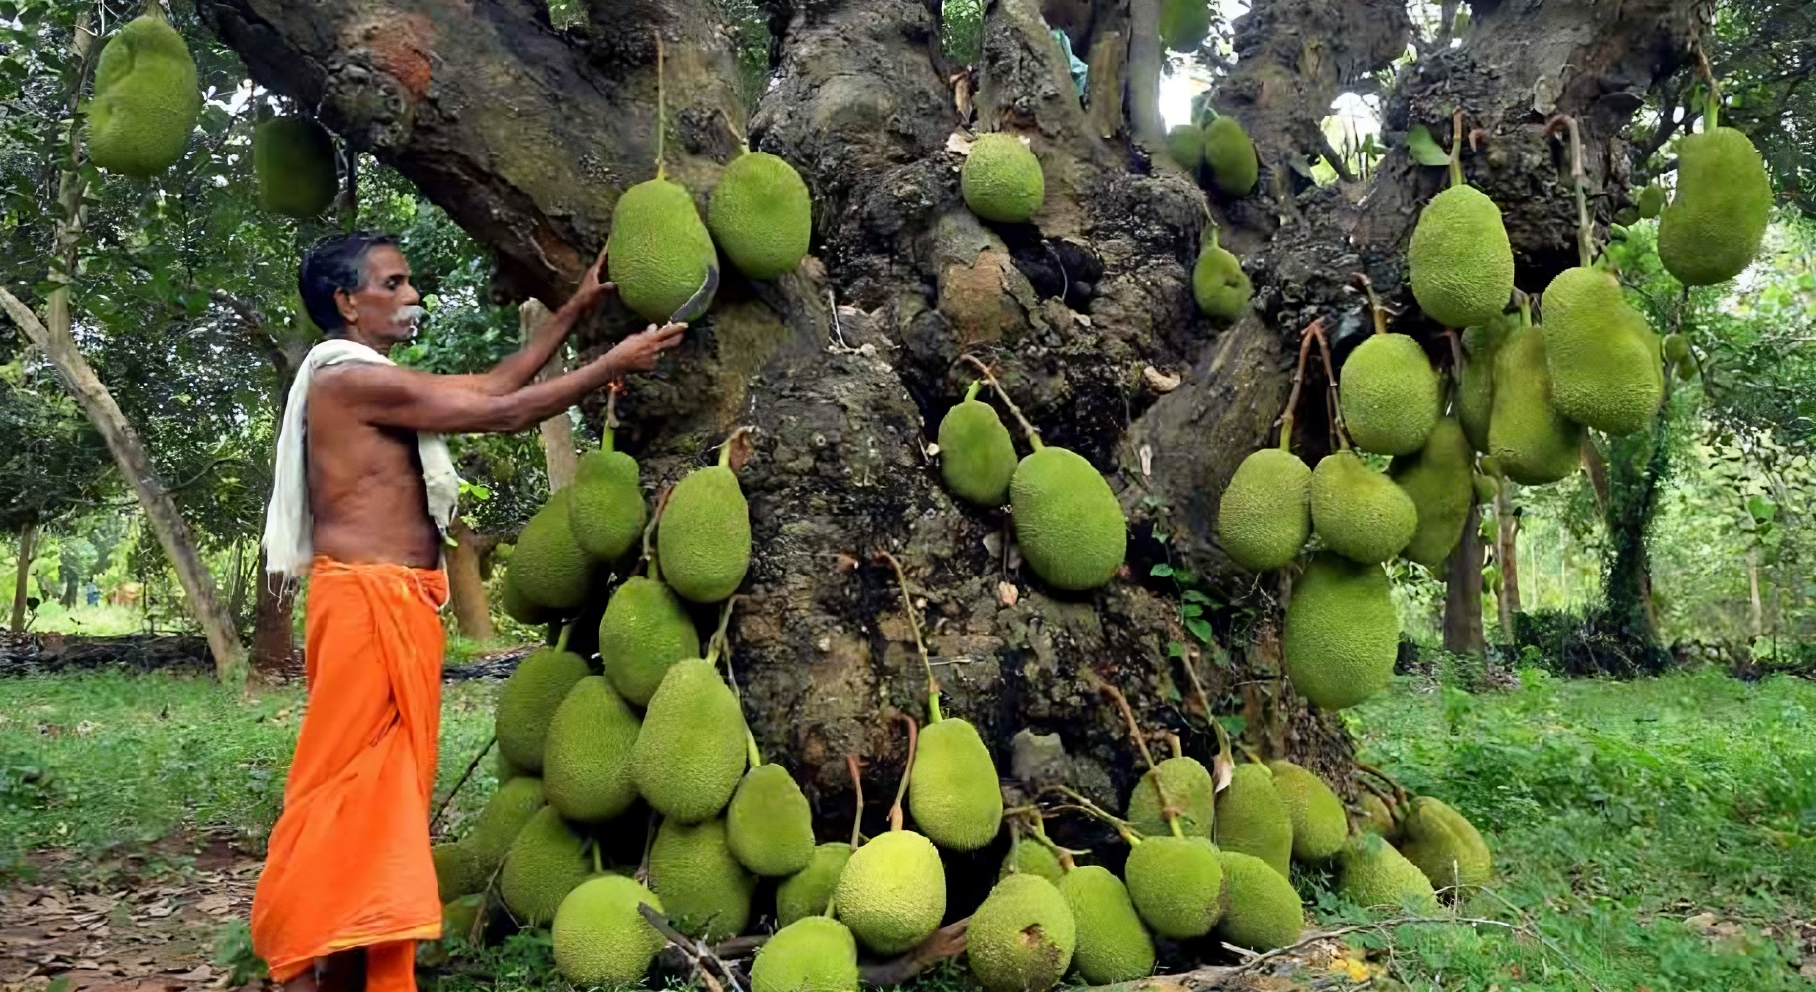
[99, 620]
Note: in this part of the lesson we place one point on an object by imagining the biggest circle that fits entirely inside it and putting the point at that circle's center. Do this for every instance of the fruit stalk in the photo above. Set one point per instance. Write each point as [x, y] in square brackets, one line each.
[901, 789]
[1456, 147]
[1124, 828]
[1292, 400]
[1033, 435]
[914, 623]
[1585, 230]
[1330, 392]
[1375, 308]
[857, 788]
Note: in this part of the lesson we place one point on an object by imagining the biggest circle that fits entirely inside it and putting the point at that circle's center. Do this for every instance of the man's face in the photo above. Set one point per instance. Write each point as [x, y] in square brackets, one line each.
[376, 309]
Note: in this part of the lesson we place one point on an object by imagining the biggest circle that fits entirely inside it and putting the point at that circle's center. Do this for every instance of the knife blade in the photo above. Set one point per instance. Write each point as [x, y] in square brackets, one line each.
[702, 298]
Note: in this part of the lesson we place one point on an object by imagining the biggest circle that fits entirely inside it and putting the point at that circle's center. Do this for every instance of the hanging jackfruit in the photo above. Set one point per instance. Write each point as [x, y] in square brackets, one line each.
[768, 824]
[806, 892]
[1711, 230]
[761, 215]
[1188, 792]
[1460, 259]
[892, 892]
[703, 539]
[1475, 384]
[953, 793]
[645, 630]
[1604, 361]
[1319, 823]
[1001, 179]
[977, 457]
[813, 954]
[707, 892]
[1252, 818]
[1389, 395]
[146, 99]
[1230, 156]
[1264, 912]
[457, 872]
[1440, 481]
[1341, 634]
[1265, 514]
[691, 750]
[1219, 285]
[293, 158]
[1021, 939]
[658, 252]
[605, 507]
[1531, 442]
[1113, 945]
[552, 574]
[1371, 873]
[1069, 525]
[1184, 24]
[547, 861]
[1444, 845]
[1176, 884]
[501, 820]
[586, 759]
[600, 939]
[529, 699]
[1359, 512]
[1186, 143]
[1651, 201]
[1032, 857]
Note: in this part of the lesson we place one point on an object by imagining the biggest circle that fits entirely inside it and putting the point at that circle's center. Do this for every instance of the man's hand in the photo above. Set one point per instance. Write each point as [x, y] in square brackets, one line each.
[637, 353]
[591, 290]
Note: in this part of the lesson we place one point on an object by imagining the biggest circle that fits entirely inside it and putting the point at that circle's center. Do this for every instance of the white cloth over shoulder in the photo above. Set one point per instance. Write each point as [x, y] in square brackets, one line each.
[289, 526]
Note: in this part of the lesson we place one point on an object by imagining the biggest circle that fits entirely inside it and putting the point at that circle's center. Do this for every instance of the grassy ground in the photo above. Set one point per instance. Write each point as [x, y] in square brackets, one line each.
[99, 620]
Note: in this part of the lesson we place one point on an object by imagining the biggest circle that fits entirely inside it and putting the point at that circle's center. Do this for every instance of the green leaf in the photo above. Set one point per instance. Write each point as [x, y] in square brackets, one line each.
[1175, 649]
[1200, 629]
[1424, 148]
[1162, 570]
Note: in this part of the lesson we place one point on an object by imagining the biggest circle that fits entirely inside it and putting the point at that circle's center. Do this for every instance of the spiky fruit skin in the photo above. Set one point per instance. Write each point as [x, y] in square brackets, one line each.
[1264, 912]
[813, 954]
[293, 158]
[1001, 179]
[1531, 442]
[519, 609]
[761, 215]
[1319, 823]
[806, 892]
[1252, 818]
[1184, 24]
[1444, 845]
[605, 508]
[1186, 143]
[1030, 857]
[1460, 259]
[1676, 348]
[1113, 945]
[1067, 521]
[146, 100]
[769, 824]
[1219, 285]
[892, 892]
[547, 861]
[457, 872]
[706, 890]
[600, 939]
[1475, 386]
[658, 251]
[551, 573]
[1389, 395]
[1359, 512]
[1176, 885]
[1188, 787]
[690, 752]
[1230, 156]
[1711, 230]
[1651, 201]
[953, 794]
[1341, 634]
[644, 631]
[1376, 819]
[505, 814]
[703, 540]
[1440, 481]
[977, 457]
[1021, 938]
[1606, 372]
[586, 760]
[529, 700]
[1265, 514]
[504, 771]
[1371, 873]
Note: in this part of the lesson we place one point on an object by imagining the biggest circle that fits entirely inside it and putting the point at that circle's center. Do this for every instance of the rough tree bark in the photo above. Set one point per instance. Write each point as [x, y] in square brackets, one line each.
[558, 453]
[466, 591]
[28, 546]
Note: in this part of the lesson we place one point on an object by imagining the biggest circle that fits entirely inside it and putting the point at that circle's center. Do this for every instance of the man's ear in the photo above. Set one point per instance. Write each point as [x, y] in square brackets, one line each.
[344, 303]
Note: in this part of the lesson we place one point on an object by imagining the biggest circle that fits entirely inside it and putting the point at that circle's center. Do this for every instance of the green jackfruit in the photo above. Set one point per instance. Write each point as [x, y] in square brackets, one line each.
[1184, 24]
[1001, 179]
[529, 700]
[293, 158]
[703, 540]
[1530, 440]
[769, 824]
[1230, 156]
[1188, 788]
[1067, 521]
[1484, 489]
[644, 631]
[1030, 856]
[953, 793]
[457, 872]
[586, 761]
[1113, 945]
[1606, 372]
[1651, 201]
[605, 508]
[813, 954]
[504, 771]
[977, 458]
[1021, 938]
[1252, 818]
[1371, 873]
[146, 99]
[691, 751]
[1475, 385]
[1265, 514]
[505, 814]
[658, 251]
[459, 917]
[761, 215]
[1376, 819]
[547, 861]
[1440, 480]
[1389, 395]
[519, 609]
[1711, 230]
[1264, 912]
[1359, 512]
[1319, 823]
[706, 890]
[1676, 348]
[1219, 285]
[892, 892]
[1460, 259]
[1341, 634]
[1176, 884]
[1186, 143]
[600, 938]
[806, 892]
[550, 571]
[1444, 845]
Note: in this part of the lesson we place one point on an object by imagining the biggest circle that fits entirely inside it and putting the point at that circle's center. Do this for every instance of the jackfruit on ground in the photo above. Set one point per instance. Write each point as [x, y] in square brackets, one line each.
[1264, 912]
[529, 700]
[814, 954]
[1460, 259]
[1371, 873]
[892, 892]
[953, 794]
[691, 751]
[806, 892]
[658, 251]
[706, 890]
[1341, 634]
[1389, 395]
[1440, 481]
[1531, 441]
[1113, 945]
[1067, 521]
[703, 540]
[1651, 201]
[551, 572]
[768, 824]
[511, 807]
[1606, 372]
[586, 761]
[1475, 384]
[644, 631]
[1711, 230]
[293, 158]
[1184, 23]
[1031, 857]
[1265, 514]
[1359, 512]
[459, 918]
[605, 507]
[457, 872]
[1188, 788]
[146, 99]
[1021, 938]
[1219, 285]
[977, 458]
[547, 861]
[1001, 179]
[600, 938]
[1444, 845]
[1376, 818]
[1230, 156]
[1252, 818]
[1319, 822]
[1186, 144]
[761, 215]
[1176, 885]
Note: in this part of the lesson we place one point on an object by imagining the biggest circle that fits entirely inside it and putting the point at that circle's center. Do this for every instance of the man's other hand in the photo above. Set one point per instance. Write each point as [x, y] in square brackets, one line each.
[591, 290]
[637, 353]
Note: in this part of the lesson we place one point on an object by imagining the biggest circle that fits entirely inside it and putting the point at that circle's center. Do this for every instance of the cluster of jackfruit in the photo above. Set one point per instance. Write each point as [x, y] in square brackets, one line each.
[1218, 154]
[1405, 853]
[146, 98]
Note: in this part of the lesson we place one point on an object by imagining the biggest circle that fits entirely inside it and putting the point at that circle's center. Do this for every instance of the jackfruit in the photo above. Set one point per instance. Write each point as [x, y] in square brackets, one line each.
[293, 158]
[1712, 228]
[146, 99]
[1264, 912]
[1031, 857]
[1188, 788]
[600, 939]
[1021, 938]
[1389, 395]
[519, 609]
[761, 215]
[1371, 873]
[1265, 514]
[1651, 201]
[1604, 360]
[1219, 285]
[1376, 818]
[1676, 348]
[1359, 512]
[953, 793]
[586, 761]
[806, 892]
[1530, 440]
[1341, 634]
[1316, 814]
[813, 954]
[1475, 384]
[1440, 480]
[769, 825]
[1460, 259]
[977, 458]
[1113, 945]
[1484, 489]
[707, 892]
[1184, 24]
[605, 507]
[504, 771]
[703, 540]
[892, 892]
[1230, 156]
[457, 872]
[644, 631]
[1001, 179]
[1067, 521]
[460, 917]
[547, 861]
[1186, 144]
[1444, 845]
[691, 751]
[505, 814]
[658, 252]
[529, 700]
[550, 571]
[1252, 818]
[1176, 884]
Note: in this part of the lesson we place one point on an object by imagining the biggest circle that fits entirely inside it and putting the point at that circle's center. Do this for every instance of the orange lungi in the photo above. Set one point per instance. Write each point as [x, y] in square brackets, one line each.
[348, 864]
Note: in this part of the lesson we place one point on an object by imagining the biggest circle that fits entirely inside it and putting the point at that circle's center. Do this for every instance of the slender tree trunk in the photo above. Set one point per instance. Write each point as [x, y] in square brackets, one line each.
[273, 620]
[472, 608]
[1463, 591]
[28, 546]
[557, 431]
[1506, 553]
[1756, 623]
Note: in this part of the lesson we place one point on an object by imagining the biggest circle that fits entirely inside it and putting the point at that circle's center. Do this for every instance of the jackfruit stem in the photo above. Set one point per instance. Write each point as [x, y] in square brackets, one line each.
[1399, 790]
[1456, 148]
[649, 533]
[1028, 428]
[719, 646]
[1173, 743]
[1038, 831]
[1127, 830]
[1128, 714]
[598, 865]
[1524, 300]
[1173, 825]
[1375, 308]
[660, 102]
[1334, 409]
[1712, 105]
[611, 416]
[154, 9]
[1292, 400]
[857, 788]
[972, 391]
[561, 640]
[750, 745]
[914, 623]
[1585, 229]
[901, 789]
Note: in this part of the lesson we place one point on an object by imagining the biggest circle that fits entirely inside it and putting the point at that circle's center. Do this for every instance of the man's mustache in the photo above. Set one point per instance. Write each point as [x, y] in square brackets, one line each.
[411, 315]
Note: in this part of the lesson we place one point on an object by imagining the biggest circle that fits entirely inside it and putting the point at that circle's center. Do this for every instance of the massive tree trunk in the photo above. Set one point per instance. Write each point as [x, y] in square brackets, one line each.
[466, 590]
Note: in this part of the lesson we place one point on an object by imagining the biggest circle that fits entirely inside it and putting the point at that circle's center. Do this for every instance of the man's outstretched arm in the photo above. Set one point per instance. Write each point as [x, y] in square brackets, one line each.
[521, 366]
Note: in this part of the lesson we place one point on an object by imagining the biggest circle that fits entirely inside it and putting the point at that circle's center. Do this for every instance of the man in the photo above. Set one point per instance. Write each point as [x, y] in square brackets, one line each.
[362, 496]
